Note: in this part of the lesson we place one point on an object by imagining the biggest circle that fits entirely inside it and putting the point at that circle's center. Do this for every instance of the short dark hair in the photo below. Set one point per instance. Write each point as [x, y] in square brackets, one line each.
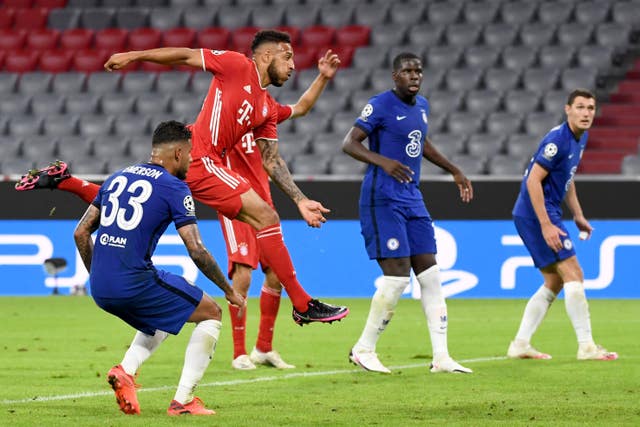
[397, 61]
[171, 131]
[269, 36]
[585, 93]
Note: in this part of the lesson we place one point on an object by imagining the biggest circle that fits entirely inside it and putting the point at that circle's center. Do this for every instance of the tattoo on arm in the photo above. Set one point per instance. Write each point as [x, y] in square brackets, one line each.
[87, 225]
[201, 257]
[277, 169]
[209, 267]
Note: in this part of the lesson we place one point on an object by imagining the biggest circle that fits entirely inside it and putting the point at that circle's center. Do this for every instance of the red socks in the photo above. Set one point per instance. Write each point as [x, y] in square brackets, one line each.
[276, 255]
[238, 327]
[86, 190]
[269, 305]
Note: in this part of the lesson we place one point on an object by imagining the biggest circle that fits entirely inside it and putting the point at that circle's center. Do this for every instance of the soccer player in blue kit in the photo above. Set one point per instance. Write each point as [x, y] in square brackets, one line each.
[132, 210]
[396, 226]
[537, 215]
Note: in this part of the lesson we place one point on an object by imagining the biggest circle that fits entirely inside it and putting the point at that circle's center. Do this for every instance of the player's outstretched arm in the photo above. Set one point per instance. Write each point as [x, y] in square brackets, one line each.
[353, 146]
[327, 67]
[203, 259]
[275, 166]
[163, 55]
[82, 234]
[431, 153]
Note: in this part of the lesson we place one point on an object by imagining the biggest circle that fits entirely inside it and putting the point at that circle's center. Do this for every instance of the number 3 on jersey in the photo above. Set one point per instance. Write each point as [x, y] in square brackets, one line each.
[113, 212]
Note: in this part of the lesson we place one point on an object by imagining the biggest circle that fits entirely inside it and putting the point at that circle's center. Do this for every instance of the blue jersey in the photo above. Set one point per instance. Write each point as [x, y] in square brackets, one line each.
[396, 130]
[136, 206]
[559, 153]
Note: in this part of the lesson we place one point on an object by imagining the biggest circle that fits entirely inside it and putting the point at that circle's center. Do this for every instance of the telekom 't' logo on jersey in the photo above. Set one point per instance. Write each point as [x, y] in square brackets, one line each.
[248, 142]
[243, 113]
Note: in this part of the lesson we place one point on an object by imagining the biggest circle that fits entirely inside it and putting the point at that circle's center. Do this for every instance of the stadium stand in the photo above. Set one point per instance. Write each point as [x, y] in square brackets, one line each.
[494, 70]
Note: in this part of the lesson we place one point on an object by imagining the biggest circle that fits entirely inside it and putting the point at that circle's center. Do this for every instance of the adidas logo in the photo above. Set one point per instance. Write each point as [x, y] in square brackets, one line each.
[247, 88]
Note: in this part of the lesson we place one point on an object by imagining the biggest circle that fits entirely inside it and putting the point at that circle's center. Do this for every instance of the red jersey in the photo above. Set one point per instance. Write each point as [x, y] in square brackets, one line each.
[236, 103]
[246, 160]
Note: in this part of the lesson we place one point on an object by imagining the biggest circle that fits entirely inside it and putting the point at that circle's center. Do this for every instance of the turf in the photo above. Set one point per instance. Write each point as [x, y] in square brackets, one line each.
[55, 352]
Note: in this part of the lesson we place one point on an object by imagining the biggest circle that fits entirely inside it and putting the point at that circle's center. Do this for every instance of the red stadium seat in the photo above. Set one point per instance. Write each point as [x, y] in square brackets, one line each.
[12, 39]
[214, 38]
[294, 32]
[113, 39]
[144, 38]
[50, 4]
[6, 17]
[353, 35]
[55, 61]
[345, 53]
[89, 60]
[305, 57]
[317, 35]
[31, 19]
[17, 3]
[21, 61]
[43, 38]
[76, 38]
[242, 37]
[179, 37]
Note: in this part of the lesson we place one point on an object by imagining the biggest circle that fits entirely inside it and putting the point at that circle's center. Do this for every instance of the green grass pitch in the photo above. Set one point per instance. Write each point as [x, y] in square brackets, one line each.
[55, 352]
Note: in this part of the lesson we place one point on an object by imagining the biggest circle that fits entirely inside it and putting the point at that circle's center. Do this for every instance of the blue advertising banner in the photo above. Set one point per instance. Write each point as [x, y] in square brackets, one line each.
[478, 259]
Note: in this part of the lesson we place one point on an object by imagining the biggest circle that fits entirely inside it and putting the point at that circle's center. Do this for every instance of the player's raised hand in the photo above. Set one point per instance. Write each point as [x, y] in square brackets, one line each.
[118, 61]
[398, 170]
[312, 212]
[328, 64]
[465, 187]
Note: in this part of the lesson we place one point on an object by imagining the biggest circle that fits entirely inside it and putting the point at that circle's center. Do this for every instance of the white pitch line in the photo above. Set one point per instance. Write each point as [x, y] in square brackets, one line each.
[234, 382]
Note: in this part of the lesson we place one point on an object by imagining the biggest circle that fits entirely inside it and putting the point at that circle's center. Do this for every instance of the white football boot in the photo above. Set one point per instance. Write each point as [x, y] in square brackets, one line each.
[592, 351]
[368, 360]
[270, 358]
[447, 364]
[522, 350]
[242, 363]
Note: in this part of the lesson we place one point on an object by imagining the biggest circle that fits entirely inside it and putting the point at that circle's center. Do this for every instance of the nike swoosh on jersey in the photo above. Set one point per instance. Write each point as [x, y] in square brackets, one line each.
[401, 117]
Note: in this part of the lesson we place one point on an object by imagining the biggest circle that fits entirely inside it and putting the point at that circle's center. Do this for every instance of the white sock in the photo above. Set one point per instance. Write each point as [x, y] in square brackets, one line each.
[435, 310]
[141, 348]
[199, 353]
[534, 313]
[383, 303]
[575, 302]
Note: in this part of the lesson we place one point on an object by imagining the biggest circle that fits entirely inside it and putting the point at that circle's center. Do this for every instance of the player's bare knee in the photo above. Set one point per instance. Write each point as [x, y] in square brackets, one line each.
[207, 309]
[268, 216]
[214, 312]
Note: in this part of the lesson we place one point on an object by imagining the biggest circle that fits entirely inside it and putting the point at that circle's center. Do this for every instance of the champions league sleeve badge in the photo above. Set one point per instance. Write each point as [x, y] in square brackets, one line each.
[366, 112]
[550, 150]
[189, 205]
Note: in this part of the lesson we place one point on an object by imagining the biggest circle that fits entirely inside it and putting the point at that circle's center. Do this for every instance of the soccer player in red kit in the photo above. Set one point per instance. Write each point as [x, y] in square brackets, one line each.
[242, 248]
[237, 102]
[240, 238]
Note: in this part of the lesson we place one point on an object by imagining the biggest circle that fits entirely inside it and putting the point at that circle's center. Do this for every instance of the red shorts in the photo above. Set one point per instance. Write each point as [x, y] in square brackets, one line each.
[217, 186]
[241, 243]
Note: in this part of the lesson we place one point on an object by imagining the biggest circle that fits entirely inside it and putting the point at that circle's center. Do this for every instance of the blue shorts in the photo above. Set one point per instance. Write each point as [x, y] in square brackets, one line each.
[165, 303]
[531, 234]
[397, 231]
